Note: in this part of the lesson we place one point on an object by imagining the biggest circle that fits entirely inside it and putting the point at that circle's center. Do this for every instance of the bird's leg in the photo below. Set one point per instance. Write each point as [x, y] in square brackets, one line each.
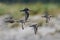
[22, 26]
[49, 17]
[24, 22]
[35, 30]
[46, 20]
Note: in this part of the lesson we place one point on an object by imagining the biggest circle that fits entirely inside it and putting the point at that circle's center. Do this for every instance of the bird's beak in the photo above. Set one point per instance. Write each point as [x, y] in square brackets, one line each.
[21, 10]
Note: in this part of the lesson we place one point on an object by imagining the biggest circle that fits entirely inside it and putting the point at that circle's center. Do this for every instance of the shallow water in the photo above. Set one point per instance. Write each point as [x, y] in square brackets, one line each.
[28, 33]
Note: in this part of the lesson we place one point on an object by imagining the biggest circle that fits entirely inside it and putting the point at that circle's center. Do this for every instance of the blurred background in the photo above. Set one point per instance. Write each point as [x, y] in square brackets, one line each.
[37, 6]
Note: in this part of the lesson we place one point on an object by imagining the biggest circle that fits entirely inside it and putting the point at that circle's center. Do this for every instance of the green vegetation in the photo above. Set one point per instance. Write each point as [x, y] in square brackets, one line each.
[37, 8]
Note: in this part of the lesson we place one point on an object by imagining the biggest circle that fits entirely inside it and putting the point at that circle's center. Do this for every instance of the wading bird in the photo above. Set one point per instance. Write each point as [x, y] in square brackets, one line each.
[35, 26]
[47, 16]
[9, 20]
[22, 22]
[26, 10]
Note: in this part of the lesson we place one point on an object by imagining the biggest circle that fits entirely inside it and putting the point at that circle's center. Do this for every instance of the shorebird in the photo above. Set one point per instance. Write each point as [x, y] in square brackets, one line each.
[35, 26]
[22, 22]
[9, 20]
[47, 16]
[26, 11]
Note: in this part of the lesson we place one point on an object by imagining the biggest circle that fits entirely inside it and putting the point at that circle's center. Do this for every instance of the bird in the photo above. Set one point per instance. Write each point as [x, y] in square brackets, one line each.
[26, 11]
[35, 26]
[47, 16]
[9, 20]
[22, 22]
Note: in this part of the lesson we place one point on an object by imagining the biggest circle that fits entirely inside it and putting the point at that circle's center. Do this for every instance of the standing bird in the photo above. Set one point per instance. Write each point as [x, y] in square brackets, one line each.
[22, 22]
[47, 16]
[26, 10]
[9, 20]
[35, 26]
